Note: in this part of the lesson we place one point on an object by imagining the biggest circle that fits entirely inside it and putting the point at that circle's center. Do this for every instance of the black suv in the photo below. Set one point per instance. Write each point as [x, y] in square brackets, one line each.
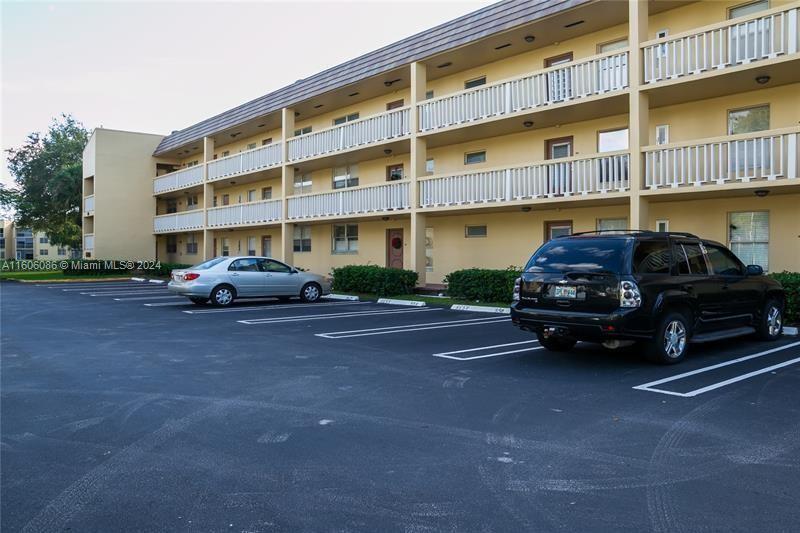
[663, 289]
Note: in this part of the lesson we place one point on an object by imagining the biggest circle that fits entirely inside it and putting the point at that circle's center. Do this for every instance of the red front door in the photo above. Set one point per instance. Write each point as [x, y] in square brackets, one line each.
[394, 248]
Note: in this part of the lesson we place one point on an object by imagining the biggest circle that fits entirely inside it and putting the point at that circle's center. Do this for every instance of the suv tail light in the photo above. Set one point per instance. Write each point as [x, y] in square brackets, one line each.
[515, 295]
[629, 295]
[189, 276]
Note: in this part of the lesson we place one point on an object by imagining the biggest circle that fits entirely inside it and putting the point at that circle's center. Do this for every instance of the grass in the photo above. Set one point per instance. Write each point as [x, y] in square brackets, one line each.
[428, 299]
[54, 276]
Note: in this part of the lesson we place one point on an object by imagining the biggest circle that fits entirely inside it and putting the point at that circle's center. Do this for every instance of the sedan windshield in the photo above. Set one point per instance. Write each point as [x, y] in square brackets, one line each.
[578, 255]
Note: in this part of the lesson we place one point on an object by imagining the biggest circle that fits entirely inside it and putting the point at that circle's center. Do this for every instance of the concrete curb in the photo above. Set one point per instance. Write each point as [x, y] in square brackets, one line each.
[481, 309]
[392, 301]
[156, 281]
[347, 297]
[789, 330]
[138, 279]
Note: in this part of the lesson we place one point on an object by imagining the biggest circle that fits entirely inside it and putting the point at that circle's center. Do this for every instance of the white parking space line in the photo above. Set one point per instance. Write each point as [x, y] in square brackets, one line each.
[140, 298]
[84, 286]
[268, 307]
[650, 387]
[126, 293]
[410, 327]
[327, 316]
[87, 290]
[454, 354]
[165, 304]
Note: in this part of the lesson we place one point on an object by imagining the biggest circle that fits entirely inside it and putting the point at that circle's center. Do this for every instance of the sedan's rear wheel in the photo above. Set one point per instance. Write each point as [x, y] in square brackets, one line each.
[223, 295]
[311, 292]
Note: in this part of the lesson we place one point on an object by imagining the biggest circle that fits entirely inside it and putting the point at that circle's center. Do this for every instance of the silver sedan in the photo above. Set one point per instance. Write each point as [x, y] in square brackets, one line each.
[223, 279]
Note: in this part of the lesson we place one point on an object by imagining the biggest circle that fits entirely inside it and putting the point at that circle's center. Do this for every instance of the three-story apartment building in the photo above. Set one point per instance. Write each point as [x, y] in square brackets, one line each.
[473, 142]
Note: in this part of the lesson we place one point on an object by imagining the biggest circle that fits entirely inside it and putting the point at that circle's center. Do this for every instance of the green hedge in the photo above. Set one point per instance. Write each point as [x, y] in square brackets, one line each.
[791, 283]
[374, 279]
[482, 284]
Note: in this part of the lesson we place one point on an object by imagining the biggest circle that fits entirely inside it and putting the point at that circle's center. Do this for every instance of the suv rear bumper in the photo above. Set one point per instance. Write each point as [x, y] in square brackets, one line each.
[623, 324]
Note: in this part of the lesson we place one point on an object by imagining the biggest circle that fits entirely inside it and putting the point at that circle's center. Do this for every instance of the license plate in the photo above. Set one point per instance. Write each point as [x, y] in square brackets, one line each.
[565, 292]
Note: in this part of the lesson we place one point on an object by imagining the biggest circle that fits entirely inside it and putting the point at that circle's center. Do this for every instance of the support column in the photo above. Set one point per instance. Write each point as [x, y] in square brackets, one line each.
[639, 116]
[419, 155]
[287, 186]
[208, 198]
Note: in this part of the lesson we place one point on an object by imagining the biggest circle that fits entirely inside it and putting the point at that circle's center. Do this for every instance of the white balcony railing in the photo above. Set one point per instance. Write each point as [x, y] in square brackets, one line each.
[179, 179]
[597, 75]
[361, 200]
[574, 176]
[88, 242]
[264, 157]
[739, 41]
[244, 214]
[88, 205]
[737, 158]
[365, 131]
[178, 221]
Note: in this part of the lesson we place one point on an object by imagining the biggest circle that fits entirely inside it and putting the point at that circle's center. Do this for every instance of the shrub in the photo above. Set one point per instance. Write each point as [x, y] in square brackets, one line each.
[791, 283]
[95, 267]
[374, 279]
[483, 284]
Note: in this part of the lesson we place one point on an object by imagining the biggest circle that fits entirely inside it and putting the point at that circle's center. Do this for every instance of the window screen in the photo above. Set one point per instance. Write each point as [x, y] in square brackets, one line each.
[749, 237]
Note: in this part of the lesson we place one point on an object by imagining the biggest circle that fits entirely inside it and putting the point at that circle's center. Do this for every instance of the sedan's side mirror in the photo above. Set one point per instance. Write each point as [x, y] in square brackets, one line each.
[754, 270]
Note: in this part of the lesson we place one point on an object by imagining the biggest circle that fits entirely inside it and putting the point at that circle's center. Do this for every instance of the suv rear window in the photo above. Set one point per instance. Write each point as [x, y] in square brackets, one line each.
[651, 257]
[581, 255]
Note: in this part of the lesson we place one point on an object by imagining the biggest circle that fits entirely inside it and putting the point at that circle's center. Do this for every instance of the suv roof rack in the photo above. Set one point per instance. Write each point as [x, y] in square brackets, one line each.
[637, 231]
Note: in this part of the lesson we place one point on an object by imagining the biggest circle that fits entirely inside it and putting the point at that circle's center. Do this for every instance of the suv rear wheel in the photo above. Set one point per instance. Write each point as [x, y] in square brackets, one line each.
[556, 344]
[671, 339]
[770, 326]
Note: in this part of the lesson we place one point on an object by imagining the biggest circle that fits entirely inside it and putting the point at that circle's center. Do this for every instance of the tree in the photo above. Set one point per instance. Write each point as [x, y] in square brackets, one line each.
[48, 179]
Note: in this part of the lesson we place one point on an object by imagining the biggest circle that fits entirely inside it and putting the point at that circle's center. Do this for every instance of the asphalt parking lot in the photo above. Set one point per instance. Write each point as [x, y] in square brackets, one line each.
[125, 408]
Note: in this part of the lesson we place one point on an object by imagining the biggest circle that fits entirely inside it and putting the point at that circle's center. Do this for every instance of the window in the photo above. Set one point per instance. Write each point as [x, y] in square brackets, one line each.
[662, 134]
[558, 148]
[689, 259]
[346, 176]
[192, 163]
[251, 146]
[240, 199]
[662, 225]
[226, 153]
[266, 193]
[172, 244]
[347, 118]
[214, 203]
[585, 255]
[610, 46]
[251, 195]
[43, 252]
[270, 265]
[428, 95]
[302, 183]
[44, 240]
[748, 9]
[245, 265]
[172, 206]
[394, 172]
[302, 131]
[226, 199]
[471, 158]
[191, 244]
[302, 238]
[557, 229]
[62, 251]
[651, 257]
[429, 249]
[748, 120]
[612, 140]
[748, 237]
[558, 60]
[429, 166]
[267, 141]
[251, 246]
[345, 238]
[607, 224]
[191, 202]
[660, 34]
[226, 247]
[475, 82]
[394, 105]
[723, 262]
[474, 232]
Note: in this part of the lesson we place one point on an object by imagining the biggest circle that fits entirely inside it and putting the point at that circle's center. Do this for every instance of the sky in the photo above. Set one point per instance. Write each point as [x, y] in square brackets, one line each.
[161, 66]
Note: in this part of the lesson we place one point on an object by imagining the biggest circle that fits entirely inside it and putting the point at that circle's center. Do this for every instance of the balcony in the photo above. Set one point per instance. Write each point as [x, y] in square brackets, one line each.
[88, 242]
[760, 37]
[356, 134]
[594, 76]
[753, 157]
[257, 159]
[88, 206]
[180, 179]
[355, 201]
[187, 220]
[245, 214]
[567, 177]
